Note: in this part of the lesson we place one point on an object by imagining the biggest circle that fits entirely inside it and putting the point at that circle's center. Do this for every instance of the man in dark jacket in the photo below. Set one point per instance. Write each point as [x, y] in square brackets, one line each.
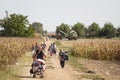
[62, 58]
[40, 54]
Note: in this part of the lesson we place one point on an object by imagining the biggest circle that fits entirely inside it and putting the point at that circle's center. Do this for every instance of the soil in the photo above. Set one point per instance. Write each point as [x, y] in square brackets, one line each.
[109, 70]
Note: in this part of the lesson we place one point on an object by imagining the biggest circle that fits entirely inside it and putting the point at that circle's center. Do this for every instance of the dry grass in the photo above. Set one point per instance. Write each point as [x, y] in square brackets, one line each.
[10, 50]
[85, 47]
[13, 48]
[102, 49]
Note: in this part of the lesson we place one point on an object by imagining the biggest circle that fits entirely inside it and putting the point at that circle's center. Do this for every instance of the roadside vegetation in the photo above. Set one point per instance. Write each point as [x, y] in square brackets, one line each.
[11, 49]
[67, 45]
[99, 51]
[17, 35]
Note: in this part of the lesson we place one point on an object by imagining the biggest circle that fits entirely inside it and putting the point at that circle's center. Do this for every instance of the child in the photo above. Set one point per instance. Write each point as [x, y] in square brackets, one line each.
[66, 55]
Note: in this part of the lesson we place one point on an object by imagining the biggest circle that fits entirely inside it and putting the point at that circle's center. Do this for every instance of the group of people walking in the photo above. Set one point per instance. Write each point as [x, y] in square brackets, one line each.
[40, 50]
[63, 55]
[52, 50]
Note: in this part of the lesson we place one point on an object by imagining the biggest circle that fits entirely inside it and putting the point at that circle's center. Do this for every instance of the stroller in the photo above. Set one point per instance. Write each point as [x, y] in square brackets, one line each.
[37, 68]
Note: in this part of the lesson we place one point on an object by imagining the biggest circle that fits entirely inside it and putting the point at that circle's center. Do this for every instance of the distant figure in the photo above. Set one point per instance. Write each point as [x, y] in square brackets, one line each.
[36, 48]
[43, 46]
[33, 49]
[54, 49]
[62, 58]
[47, 38]
[66, 56]
[50, 49]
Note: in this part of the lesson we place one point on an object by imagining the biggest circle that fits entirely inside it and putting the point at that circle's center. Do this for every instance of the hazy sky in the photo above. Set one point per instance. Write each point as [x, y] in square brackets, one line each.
[52, 13]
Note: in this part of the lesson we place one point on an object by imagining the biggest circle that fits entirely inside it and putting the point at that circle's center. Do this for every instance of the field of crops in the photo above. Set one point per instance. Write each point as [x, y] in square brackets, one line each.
[13, 48]
[100, 49]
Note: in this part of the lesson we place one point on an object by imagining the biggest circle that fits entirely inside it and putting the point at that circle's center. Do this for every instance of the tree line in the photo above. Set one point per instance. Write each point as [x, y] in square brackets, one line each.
[92, 31]
[17, 25]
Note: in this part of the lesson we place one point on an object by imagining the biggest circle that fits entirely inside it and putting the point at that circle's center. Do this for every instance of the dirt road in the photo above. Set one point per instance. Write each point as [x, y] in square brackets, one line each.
[53, 69]
[104, 70]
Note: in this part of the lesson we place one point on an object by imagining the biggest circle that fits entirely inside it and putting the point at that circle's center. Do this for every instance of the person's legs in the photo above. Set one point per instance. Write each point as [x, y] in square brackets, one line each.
[44, 67]
[51, 54]
[34, 71]
[62, 63]
[55, 52]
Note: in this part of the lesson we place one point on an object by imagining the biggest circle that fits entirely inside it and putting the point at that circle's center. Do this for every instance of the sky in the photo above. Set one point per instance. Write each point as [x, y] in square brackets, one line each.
[52, 13]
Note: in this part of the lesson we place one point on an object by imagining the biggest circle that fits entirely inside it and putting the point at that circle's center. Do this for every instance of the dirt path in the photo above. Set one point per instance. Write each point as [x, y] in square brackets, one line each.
[53, 71]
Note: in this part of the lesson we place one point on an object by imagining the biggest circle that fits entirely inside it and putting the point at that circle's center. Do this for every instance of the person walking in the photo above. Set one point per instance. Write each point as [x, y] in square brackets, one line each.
[33, 49]
[50, 49]
[54, 49]
[36, 48]
[62, 58]
[66, 56]
[39, 56]
[44, 46]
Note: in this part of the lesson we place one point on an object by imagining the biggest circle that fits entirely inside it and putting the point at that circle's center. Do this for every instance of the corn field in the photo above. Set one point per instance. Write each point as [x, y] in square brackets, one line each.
[99, 49]
[13, 48]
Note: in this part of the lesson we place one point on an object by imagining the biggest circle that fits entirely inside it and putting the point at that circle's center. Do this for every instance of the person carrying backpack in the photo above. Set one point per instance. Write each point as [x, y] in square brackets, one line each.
[62, 58]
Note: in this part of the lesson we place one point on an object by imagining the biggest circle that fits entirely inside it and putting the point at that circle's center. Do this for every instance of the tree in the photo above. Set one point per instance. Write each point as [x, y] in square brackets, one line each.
[30, 32]
[80, 29]
[118, 32]
[63, 27]
[86, 32]
[38, 27]
[93, 30]
[16, 25]
[108, 30]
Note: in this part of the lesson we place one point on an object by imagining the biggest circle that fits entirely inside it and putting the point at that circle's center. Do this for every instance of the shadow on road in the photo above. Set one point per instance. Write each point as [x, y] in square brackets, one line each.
[23, 76]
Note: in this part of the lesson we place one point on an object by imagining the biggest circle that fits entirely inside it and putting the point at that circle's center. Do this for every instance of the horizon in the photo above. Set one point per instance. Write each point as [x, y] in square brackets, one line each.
[54, 12]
